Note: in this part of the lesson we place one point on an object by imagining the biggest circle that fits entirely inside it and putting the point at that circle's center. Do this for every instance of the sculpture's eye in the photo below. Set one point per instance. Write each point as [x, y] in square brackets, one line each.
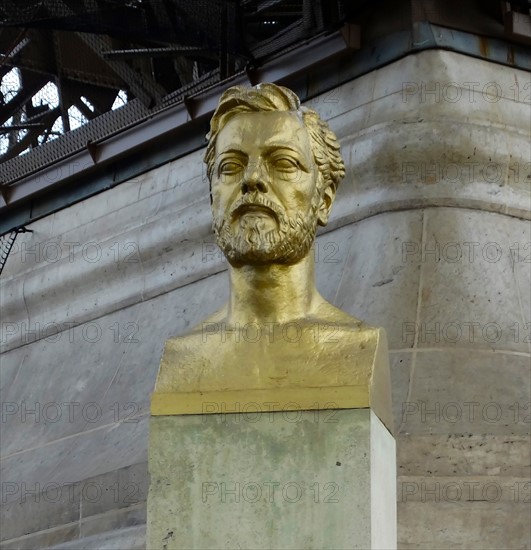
[229, 167]
[285, 164]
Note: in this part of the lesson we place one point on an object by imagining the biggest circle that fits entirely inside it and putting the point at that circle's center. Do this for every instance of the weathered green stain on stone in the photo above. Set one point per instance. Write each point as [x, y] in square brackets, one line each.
[297, 480]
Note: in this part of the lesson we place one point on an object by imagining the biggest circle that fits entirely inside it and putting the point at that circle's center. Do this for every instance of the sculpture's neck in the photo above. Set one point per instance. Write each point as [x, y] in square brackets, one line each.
[273, 293]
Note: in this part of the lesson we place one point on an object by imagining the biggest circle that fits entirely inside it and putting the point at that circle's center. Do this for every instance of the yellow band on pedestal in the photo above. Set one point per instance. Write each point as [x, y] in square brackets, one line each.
[260, 400]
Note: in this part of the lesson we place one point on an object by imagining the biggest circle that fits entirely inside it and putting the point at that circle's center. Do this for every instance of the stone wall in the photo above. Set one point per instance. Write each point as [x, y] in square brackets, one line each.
[429, 238]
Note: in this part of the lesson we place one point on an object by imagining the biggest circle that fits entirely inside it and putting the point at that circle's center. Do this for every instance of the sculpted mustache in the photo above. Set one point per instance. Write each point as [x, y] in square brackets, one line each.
[257, 200]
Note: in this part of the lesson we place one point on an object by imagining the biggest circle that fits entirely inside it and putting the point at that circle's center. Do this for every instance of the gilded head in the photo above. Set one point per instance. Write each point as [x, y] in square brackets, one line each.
[270, 97]
[274, 168]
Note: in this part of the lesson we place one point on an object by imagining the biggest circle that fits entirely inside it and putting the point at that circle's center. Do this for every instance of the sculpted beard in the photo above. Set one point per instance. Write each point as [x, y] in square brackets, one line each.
[248, 241]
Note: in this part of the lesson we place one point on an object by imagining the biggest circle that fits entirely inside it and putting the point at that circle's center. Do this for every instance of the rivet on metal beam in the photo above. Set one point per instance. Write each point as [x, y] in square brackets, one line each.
[94, 151]
[190, 106]
[3, 196]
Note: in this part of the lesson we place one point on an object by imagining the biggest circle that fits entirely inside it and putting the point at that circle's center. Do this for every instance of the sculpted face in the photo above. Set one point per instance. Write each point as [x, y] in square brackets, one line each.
[266, 198]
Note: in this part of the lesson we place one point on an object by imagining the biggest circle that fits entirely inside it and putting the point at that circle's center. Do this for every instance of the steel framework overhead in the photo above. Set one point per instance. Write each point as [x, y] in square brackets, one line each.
[78, 76]
[149, 50]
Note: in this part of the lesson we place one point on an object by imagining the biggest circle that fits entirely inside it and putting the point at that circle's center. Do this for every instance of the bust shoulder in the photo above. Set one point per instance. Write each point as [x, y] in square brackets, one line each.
[216, 355]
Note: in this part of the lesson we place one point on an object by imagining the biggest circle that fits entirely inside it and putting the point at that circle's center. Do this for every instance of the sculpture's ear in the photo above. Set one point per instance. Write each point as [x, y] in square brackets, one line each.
[327, 198]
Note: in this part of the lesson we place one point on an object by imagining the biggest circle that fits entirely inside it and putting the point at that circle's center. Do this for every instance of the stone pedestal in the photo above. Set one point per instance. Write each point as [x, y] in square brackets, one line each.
[293, 479]
[276, 472]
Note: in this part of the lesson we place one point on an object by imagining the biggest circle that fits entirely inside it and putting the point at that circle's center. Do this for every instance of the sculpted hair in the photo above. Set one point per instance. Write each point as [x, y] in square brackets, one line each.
[270, 97]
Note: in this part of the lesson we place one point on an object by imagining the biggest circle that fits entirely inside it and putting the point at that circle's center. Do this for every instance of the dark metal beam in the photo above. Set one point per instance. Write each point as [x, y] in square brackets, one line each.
[16, 127]
[27, 91]
[147, 91]
[182, 65]
[64, 97]
[13, 53]
[84, 109]
[142, 87]
[47, 121]
[517, 25]
[101, 98]
[170, 51]
[78, 76]
[16, 46]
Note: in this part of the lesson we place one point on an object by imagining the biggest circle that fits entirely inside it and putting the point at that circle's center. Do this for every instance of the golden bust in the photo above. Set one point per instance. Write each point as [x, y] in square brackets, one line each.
[274, 168]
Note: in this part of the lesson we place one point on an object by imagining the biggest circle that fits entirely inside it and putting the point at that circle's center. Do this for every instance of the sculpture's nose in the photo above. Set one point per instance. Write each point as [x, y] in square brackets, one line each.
[254, 178]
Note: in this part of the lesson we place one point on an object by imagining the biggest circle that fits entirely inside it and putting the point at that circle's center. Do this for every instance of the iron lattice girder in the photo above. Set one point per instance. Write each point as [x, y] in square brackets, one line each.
[79, 62]
[162, 20]
[159, 52]
[31, 85]
[164, 124]
[47, 122]
[36, 55]
[147, 91]
[81, 75]
[176, 43]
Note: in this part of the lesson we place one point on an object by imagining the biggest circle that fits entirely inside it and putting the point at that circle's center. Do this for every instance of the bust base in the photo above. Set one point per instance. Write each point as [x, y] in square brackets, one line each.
[293, 479]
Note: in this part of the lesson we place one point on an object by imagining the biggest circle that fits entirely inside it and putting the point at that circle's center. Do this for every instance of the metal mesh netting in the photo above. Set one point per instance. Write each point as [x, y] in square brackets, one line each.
[17, 127]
